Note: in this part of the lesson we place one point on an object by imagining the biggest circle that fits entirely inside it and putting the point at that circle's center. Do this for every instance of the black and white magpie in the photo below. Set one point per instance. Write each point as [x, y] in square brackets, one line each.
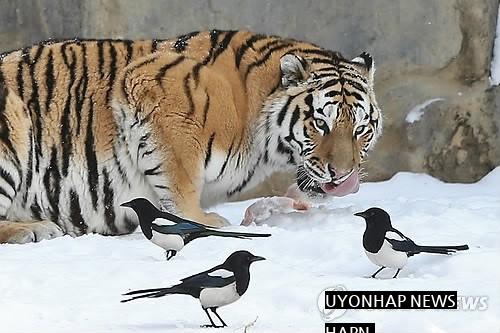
[216, 287]
[172, 232]
[386, 246]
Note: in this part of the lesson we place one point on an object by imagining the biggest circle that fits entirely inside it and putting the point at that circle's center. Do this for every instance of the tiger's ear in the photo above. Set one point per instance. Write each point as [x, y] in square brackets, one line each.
[294, 69]
[365, 60]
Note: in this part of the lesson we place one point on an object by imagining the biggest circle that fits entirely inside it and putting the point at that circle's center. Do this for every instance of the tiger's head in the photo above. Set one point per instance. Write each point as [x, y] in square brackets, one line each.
[328, 119]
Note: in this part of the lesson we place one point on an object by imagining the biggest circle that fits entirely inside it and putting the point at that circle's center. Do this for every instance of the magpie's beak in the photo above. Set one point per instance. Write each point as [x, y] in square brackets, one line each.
[360, 214]
[257, 258]
[126, 204]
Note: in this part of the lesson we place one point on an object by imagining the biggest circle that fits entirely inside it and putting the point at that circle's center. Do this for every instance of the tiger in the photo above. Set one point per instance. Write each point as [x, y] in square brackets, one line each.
[186, 122]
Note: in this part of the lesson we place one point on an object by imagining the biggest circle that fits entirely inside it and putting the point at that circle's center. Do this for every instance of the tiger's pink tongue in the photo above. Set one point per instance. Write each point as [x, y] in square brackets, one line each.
[350, 185]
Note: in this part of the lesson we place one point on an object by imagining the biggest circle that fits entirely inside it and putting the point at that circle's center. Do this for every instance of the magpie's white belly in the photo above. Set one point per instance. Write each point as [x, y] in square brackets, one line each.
[388, 257]
[216, 297]
[168, 242]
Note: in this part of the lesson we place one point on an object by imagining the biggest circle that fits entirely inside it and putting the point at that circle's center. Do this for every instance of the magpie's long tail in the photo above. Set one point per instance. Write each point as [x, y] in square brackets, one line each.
[210, 232]
[152, 293]
[442, 249]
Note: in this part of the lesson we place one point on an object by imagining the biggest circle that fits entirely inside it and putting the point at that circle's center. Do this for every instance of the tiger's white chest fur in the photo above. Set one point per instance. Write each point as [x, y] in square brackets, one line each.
[235, 178]
[229, 175]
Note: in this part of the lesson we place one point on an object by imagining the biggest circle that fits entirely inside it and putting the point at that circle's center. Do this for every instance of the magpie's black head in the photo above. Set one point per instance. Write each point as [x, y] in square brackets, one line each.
[139, 204]
[376, 217]
[240, 259]
[144, 209]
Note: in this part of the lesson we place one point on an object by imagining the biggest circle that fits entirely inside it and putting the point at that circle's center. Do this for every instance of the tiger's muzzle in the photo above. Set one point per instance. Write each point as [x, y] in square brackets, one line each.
[341, 184]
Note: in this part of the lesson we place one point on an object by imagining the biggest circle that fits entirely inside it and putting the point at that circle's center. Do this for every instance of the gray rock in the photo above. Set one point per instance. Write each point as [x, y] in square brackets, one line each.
[423, 50]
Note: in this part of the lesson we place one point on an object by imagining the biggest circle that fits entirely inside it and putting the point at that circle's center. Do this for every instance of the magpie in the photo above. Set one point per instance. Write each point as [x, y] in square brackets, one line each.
[386, 246]
[216, 287]
[172, 232]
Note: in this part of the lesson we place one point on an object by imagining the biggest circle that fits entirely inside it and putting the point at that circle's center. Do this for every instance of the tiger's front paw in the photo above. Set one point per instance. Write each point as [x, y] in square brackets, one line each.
[213, 220]
[28, 232]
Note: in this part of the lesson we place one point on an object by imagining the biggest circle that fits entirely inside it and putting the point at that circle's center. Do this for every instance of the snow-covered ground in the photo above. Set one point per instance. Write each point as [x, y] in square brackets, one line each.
[75, 285]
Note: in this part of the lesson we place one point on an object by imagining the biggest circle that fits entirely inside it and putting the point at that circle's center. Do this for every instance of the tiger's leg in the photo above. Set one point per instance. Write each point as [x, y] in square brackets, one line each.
[15, 141]
[13, 231]
[173, 167]
[27, 232]
[163, 133]
[185, 192]
[174, 170]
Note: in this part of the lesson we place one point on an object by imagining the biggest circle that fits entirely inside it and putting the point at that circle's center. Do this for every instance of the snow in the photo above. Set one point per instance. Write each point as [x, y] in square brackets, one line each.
[495, 63]
[418, 111]
[75, 285]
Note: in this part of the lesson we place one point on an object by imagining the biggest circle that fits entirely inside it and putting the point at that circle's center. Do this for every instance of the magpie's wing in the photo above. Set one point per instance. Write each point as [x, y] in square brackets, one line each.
[400, 234]
[176, 228]
[400, 242]
[178, 219]
[213, 278]
[187, 231]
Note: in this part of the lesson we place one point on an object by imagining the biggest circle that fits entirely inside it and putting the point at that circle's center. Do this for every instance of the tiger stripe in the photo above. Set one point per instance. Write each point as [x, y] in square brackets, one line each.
[49, 80]
[90, 156]
[266, 57]
[181, 42]
[214, 35]
[163, 70]
[240, 53]
[76, 212]
[223, 168]
[81, 89]
[208, 153]
[36, 210]
[100, 52]
[6, 176]
[246, 180]
[34, 101]
[66, 135]
[29, 171]
[153, 171]
[108, 202]
[223, 45]
[189, 96]
[52, 183]
[206, 107]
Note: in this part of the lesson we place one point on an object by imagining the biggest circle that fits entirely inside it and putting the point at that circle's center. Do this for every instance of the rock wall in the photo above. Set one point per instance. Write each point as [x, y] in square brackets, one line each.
[425, 51]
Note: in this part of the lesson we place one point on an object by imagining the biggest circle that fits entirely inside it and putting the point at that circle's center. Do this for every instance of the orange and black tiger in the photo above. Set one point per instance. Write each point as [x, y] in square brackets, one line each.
[186, 122]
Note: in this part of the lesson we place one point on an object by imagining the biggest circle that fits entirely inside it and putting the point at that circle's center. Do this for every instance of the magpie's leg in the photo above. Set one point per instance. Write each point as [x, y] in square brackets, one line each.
[212, 324]
[395, 275]
[170, 254]
[375, 274]
[214, 310]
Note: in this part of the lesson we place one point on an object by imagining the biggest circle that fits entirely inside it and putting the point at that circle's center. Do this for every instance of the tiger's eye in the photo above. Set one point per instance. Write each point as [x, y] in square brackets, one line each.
[320, 123]
[360, 129]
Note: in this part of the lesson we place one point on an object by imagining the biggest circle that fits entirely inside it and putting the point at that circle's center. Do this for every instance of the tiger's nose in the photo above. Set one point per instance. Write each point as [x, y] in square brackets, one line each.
[338, 173]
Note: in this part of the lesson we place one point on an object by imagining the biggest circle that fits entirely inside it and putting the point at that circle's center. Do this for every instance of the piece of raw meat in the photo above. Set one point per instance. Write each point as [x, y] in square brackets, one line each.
[262, 209]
